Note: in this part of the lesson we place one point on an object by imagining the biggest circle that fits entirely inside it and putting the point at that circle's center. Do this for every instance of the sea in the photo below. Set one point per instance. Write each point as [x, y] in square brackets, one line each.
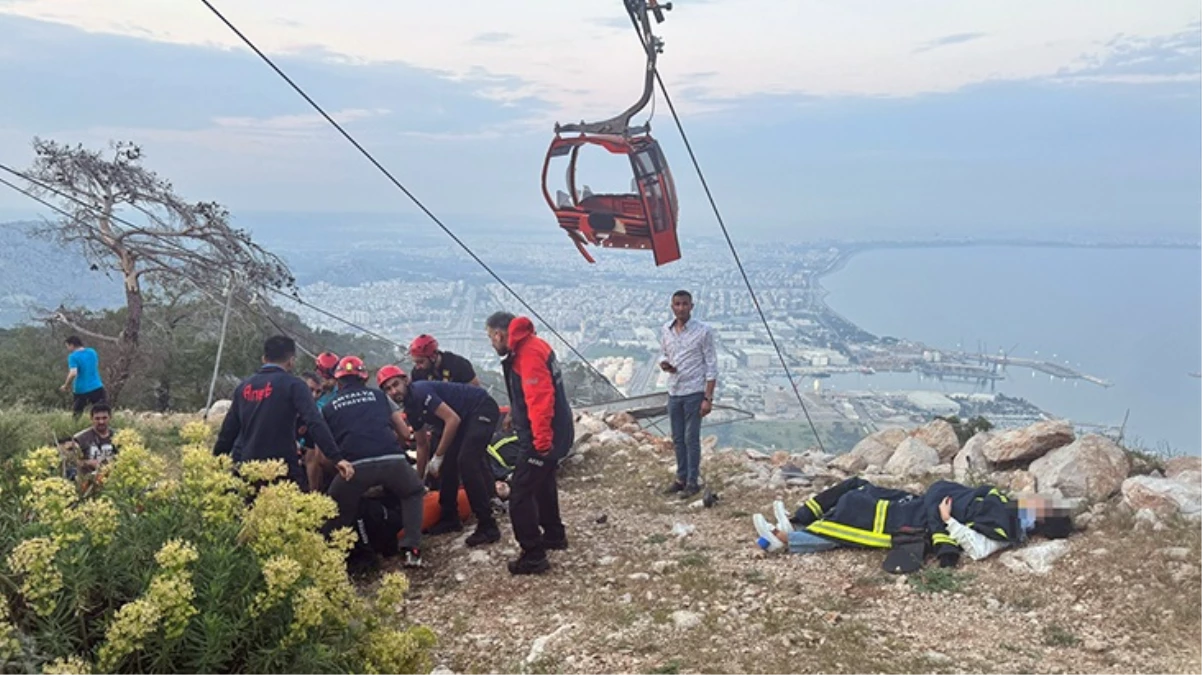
[1132, 316]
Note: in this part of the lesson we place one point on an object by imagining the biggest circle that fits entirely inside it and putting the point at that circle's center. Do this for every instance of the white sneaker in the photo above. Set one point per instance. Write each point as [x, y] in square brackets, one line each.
[768, 540]
[782, 517]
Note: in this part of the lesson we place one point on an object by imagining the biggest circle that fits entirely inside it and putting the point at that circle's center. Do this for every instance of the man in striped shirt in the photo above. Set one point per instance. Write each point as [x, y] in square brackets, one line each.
[690, 357]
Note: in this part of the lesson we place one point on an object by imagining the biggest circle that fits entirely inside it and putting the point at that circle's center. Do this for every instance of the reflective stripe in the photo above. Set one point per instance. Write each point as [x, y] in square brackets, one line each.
[940, 538]
[494, 450]
[1001, 532]
[850, 534]
[999, 495]
[814, 507]
[878, 523]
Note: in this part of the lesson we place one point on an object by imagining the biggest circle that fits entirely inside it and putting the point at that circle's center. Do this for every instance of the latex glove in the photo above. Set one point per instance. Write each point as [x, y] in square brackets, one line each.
[434, 465]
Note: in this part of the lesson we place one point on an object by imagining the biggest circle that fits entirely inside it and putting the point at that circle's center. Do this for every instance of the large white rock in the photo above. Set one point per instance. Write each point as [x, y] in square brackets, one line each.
[220, 407]
[1093, 467]
[587, 424]
[1036, 558]
[1165, 497]
[971, 460]
[912, 458]
[941, 435]
[612, 440]
[849, 463]
[1030, 442]
[876, 448]
[1178, 465]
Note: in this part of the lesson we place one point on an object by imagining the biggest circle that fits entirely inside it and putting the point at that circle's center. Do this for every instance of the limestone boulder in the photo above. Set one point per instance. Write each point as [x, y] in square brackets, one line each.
[878, 447]
[849, 463]
[1092, 467]
[1177, 465]
[941, 436]
[1166, 497]
[912, 458]
[1028, 443]
[971, 458]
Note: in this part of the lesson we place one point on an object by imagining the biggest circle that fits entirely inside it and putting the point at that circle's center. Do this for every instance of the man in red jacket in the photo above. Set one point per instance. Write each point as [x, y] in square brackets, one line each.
[542, 419]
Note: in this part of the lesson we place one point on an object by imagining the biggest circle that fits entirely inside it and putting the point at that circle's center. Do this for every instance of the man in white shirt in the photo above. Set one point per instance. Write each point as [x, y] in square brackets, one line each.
[689, 355]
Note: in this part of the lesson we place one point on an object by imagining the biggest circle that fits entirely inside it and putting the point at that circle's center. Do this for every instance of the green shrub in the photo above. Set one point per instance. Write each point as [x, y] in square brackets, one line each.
[188, 570]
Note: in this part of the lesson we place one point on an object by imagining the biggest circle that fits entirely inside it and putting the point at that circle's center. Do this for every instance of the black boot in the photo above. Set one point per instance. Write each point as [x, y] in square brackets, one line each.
[530, 564]
[486, 533]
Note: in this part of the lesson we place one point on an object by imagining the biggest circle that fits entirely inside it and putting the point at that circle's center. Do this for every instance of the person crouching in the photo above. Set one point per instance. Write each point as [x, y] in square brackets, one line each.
[367, 431]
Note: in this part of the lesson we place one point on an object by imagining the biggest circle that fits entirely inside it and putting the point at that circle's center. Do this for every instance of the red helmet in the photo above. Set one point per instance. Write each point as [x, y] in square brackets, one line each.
[423, 347]
[326, 363]
[351, 366]
[387, 373]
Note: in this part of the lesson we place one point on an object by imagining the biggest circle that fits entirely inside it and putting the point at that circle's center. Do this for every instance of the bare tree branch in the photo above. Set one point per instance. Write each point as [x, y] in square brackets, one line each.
[126, 219]
[60, 316]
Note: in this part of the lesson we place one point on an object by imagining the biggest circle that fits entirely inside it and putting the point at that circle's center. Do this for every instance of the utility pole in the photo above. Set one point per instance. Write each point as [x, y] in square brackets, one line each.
[225, 318]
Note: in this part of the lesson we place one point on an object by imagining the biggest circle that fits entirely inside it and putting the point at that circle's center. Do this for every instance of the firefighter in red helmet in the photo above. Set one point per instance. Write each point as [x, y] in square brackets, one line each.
[431, 363]
[325, 365]
[368, 430]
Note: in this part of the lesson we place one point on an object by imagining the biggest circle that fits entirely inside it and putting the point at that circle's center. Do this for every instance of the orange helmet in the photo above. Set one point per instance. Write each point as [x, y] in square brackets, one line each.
[423, 347]
[327, 362]
[387, 373]
[351, 366]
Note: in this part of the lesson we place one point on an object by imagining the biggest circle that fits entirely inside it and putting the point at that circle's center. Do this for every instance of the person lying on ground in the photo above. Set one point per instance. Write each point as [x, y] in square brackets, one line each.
[948, 519]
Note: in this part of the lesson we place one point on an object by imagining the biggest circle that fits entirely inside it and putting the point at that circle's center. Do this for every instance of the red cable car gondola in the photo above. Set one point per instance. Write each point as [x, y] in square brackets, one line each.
[645, 217]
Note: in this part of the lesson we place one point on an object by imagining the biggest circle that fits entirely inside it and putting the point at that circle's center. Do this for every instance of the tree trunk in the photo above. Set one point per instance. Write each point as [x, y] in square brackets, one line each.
[162, 394]
[127, 348]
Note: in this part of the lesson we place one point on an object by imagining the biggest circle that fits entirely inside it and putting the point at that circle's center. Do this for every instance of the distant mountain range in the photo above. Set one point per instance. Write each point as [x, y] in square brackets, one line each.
[40, 273]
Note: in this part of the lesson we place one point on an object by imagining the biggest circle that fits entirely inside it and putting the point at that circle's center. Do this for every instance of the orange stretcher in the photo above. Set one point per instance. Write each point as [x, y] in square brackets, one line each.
[431, 511]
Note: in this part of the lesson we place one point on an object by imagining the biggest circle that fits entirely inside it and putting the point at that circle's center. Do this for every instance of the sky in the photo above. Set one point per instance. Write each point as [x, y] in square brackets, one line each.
[908, 118]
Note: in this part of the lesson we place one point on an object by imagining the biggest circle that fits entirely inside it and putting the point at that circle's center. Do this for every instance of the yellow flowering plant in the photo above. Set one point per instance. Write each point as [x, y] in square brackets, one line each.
[186, 564]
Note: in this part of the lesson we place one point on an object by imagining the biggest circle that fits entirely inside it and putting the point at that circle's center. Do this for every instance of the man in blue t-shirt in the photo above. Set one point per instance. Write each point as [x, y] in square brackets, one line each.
[467, 417]
[83, 368]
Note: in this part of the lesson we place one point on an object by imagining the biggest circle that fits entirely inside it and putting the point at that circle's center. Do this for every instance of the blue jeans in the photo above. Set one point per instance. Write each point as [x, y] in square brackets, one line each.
[685, 415]
[801, 541]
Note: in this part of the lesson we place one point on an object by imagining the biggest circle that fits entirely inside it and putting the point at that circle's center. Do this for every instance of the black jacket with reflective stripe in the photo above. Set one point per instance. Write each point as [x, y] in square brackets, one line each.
[859, 513]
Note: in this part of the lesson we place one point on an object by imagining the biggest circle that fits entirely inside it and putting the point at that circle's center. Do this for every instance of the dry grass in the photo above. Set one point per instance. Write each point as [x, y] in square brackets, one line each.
[1111, 605]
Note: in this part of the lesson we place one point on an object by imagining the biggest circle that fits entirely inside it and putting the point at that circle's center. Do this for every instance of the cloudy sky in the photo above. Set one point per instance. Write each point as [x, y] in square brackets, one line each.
[906, 117]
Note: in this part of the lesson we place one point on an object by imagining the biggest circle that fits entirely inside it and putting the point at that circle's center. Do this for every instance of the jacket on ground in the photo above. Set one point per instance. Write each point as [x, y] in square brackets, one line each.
[539, 408]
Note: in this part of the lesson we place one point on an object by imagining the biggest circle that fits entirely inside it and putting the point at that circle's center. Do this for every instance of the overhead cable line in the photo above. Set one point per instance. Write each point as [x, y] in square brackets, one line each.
[199, 286]
[400, 186]
[729, 242]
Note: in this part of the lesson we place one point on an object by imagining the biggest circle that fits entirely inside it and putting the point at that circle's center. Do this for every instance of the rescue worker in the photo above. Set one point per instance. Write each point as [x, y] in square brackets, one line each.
[542, 419]
[948, 519]
[262, 420]
[325, 364]
[367, 431]
[431, 363]
[318, 469]
[466, 416]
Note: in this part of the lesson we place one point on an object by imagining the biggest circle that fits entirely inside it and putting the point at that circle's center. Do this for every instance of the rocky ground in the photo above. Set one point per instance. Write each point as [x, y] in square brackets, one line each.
[655, 584]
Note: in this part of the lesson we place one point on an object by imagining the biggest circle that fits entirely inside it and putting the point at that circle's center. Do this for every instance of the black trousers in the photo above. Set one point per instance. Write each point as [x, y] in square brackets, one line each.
[534, 503]
[465, 460]
[87, 398]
